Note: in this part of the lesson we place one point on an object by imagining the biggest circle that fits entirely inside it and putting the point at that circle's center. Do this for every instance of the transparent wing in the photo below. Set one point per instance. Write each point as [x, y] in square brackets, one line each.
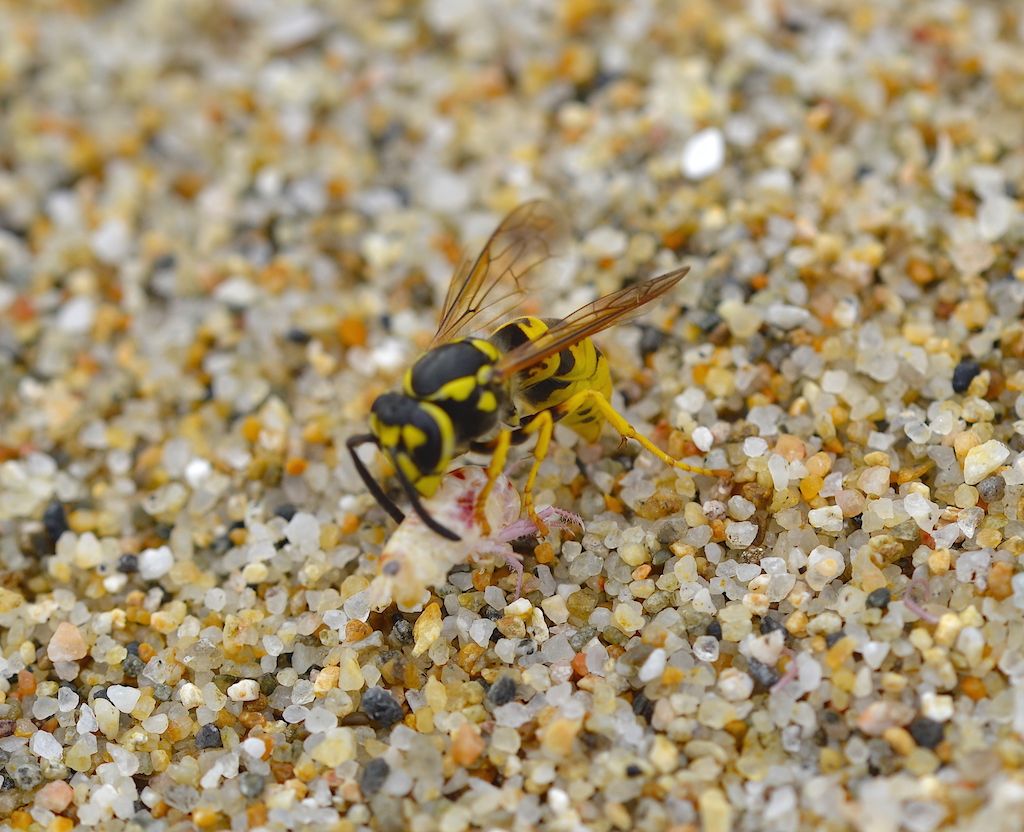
[484, 292]
[586, 321]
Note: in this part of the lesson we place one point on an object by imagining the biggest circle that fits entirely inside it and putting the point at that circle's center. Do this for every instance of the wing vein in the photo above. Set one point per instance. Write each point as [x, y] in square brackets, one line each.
[588, 320]
[497, 282]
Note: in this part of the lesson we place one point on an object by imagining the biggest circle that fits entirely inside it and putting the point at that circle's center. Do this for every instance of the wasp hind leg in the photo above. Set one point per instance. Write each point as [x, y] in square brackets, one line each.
[596, 400]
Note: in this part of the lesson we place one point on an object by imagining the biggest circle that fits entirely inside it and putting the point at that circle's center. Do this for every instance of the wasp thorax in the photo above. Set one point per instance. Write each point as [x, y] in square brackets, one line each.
[458, 378]
[451, 369]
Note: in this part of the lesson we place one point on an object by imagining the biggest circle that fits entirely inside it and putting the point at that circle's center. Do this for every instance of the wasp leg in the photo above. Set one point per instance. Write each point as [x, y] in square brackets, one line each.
[518, 437]
[383, 500]
[543, 424]
[625, 429]
[498, 460]
[419, 508]
[498, 448]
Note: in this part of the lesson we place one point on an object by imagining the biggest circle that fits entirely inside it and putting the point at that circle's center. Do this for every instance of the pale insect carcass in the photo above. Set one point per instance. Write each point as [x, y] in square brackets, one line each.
[416, 559]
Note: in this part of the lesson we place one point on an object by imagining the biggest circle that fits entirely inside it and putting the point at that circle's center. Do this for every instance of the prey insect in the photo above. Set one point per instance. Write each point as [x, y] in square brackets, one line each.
[415, 560]
[486, 393]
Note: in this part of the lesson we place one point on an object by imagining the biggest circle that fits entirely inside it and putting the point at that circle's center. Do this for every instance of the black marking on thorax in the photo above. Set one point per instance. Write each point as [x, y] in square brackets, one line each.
[468, 420]
[509, 336]
[446, 363]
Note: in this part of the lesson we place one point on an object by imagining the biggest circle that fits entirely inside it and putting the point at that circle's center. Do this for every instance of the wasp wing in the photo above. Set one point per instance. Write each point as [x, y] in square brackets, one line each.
[485, 291]
[588, 320]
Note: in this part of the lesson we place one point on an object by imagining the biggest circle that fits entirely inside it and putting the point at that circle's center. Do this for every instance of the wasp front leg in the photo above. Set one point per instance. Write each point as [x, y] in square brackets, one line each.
[499, 457]
[543, 425]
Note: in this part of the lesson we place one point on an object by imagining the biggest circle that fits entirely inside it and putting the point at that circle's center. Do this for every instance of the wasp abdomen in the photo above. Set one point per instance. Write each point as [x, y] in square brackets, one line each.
[558, 378]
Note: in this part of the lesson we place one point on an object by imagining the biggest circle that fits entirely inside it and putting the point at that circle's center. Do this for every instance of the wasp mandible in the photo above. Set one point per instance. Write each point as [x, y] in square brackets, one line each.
[468, 392]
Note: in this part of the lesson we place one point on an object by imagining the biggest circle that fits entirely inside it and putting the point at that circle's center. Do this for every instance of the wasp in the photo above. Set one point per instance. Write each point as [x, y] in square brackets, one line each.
[472, 392]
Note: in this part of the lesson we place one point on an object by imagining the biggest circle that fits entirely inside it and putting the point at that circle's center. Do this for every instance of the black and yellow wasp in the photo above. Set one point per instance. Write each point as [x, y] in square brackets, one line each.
[526, 375]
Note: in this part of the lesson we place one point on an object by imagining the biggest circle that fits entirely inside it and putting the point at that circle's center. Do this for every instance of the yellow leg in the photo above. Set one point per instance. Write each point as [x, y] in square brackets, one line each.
[498, 459]
[616, 420]
[543, 425]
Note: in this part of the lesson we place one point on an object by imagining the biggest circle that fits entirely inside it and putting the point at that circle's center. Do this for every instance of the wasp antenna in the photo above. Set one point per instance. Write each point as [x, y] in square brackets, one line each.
[418, 507]
[372, 486]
